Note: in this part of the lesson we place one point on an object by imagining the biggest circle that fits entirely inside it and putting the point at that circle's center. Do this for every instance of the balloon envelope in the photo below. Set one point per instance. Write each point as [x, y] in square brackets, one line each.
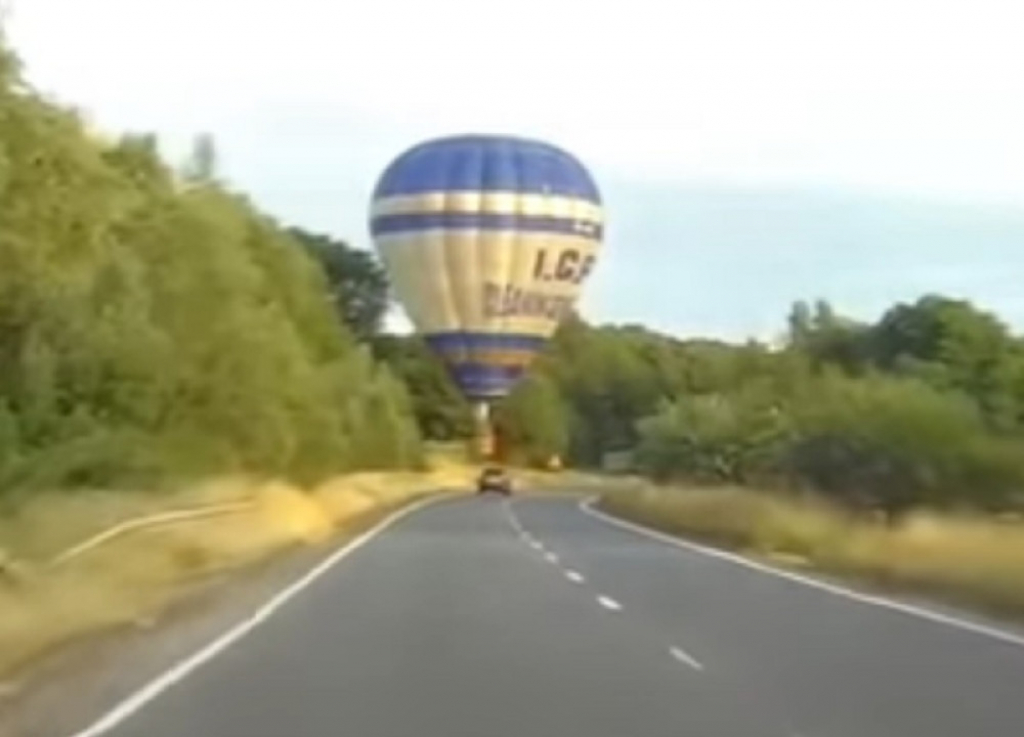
[488, 241]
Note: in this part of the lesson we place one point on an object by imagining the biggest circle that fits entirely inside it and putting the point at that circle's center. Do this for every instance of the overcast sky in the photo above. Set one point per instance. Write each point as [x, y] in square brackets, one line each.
[714, 128]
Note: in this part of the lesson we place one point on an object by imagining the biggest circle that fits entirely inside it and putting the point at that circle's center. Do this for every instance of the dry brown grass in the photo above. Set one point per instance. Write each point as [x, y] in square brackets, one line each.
[979, 560]
[131, 578]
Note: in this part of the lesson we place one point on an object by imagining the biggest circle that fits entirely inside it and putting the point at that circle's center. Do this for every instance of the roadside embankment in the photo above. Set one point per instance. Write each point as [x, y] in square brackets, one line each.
[972, 559]
[75, 564]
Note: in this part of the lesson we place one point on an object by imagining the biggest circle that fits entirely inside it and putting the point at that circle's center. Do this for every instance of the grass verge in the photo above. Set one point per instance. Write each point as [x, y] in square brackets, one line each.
[132, 578]
[964, 559]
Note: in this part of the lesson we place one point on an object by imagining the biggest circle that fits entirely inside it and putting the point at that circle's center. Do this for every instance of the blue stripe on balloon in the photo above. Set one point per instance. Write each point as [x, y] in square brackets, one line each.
[480, 379]
[488, 164]
[415, 222]
[474, 341]
[483, 381]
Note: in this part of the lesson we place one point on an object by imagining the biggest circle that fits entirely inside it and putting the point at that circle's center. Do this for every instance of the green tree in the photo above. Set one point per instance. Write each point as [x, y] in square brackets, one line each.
[358, 283]
[828, 339]
[153, 330]
[536, 420]
[894, 443]
[952, 344]
[441, 411]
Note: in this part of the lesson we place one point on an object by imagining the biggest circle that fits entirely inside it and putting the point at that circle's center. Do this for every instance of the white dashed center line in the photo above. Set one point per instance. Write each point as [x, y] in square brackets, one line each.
[684, 657]
[576, 577]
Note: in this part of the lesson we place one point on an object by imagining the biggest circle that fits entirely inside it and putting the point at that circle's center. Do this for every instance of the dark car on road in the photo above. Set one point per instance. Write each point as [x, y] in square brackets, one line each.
[494, 479]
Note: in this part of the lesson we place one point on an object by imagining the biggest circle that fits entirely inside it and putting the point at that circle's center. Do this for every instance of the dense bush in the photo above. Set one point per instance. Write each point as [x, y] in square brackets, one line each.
[870, 416]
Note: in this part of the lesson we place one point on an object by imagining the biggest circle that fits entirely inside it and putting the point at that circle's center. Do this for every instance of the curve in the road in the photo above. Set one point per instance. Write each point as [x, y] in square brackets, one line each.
[588, 506]
[607, 602]
[533, 618]
[792, 645]
[151, 690]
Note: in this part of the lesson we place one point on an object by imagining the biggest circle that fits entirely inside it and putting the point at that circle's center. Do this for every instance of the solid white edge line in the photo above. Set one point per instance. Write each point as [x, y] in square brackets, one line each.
[684, 657]
[1002, 635]
[134, 703]
[574, 576]
[609, 603]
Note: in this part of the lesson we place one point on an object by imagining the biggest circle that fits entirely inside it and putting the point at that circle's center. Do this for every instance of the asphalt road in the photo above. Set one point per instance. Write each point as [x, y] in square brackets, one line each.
[474, 618]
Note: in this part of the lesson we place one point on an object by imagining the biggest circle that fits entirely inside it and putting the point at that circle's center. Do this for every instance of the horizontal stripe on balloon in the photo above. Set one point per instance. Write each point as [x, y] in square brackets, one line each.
[490, 358]
[484, 381]
[456, 281]
[492, 350]
[475, 340]
[496, 203]
[487, 163]
[406, 223]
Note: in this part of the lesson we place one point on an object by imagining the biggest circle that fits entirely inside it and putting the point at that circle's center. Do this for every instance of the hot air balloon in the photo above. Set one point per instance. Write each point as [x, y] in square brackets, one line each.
[488, 241]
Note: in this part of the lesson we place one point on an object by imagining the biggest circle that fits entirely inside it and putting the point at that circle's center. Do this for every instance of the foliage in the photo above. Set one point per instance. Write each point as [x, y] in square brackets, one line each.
[534, 420]
[923, 407]
[442, 412]
[153, 324]
[358, 284]
[156, 325]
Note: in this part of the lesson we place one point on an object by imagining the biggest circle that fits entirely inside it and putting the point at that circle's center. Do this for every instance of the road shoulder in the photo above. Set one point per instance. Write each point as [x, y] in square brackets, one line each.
[77, 682]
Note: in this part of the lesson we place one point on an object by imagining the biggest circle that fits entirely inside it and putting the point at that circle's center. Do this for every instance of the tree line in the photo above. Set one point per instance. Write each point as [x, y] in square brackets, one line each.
[156, 326]
[923, 406]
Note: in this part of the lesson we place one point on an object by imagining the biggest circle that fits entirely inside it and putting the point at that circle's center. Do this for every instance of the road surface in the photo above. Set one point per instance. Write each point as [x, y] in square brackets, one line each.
[478, 618]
